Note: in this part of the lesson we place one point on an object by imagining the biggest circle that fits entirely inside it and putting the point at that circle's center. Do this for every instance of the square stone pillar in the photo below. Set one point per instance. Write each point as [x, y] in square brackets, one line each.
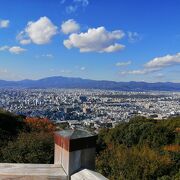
[75, 150]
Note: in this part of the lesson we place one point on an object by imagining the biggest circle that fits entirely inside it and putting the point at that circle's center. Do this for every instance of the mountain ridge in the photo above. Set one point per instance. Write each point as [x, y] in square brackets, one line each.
[73, 82]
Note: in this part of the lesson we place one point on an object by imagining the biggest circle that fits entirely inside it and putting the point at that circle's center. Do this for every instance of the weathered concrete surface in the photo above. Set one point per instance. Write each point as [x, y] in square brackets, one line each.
[87, 174]
[31, 172]
[81, 159]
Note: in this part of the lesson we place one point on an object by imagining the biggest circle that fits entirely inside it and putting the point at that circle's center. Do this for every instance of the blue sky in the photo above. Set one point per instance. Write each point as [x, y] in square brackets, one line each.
[121, 40]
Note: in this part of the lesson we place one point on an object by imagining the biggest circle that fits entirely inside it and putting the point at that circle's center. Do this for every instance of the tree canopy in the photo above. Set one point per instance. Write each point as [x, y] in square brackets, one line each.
[25, 140]
[140, 149]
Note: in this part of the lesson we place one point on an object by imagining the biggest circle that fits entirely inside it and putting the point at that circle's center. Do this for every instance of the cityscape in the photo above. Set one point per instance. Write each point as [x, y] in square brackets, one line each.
[88, 107]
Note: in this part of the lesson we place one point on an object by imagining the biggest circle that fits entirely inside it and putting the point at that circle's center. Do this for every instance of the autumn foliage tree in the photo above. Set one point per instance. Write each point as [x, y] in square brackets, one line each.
[28, 140]
[39, 124]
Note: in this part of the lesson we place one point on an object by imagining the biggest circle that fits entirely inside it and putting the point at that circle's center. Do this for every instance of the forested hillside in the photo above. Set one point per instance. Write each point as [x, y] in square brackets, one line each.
[141, 149]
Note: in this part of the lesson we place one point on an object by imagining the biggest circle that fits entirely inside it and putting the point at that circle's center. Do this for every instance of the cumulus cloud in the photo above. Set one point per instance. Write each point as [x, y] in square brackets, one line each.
[4, 23]
[16, 50]
[95, 40]
[70, 26]
[157, 64]
[123, 63]
[164, 61]
[13, 49]
[113, 48]
[38, 32]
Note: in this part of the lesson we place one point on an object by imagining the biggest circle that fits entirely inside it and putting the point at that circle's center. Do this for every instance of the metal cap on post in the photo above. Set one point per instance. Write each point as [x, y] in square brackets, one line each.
[75, 150]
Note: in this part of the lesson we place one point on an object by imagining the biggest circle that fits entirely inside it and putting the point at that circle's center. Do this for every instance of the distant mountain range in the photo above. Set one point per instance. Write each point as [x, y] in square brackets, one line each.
[69, 82]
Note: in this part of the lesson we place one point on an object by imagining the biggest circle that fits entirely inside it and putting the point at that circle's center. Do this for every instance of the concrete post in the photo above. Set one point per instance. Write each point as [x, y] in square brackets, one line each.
[75, 150]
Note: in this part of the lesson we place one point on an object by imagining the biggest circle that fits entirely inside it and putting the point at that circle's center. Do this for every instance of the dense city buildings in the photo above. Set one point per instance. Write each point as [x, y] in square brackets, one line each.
[90, 108]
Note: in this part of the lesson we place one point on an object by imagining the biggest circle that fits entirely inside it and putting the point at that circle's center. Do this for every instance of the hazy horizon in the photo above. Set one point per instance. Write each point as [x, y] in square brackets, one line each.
[36, 79]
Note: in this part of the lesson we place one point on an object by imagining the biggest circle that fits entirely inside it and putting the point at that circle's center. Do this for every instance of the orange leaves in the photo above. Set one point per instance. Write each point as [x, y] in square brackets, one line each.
[172, 148]
[177, 130]
[39, 124]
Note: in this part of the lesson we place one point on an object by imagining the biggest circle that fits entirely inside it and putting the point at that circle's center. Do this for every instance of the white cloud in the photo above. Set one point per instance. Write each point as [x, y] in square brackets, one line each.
[25, 41]
[4, 48]
[38, 32]
[140, 71]
[160, 76]
[123, 63]
[164, 61]
[23, 38]
[80, 68]
[4, 23]
[84, 3]
[16, 50]
[71, 9]
[134, 37]
[70, 26]
[13, 49]
[75, 5]
[50, 56]
[157, 64]
[95, 40]
[113, 48]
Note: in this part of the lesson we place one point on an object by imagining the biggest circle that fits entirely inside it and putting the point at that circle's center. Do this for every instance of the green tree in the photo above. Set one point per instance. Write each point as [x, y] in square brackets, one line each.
[120, 162]
[30, 148]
